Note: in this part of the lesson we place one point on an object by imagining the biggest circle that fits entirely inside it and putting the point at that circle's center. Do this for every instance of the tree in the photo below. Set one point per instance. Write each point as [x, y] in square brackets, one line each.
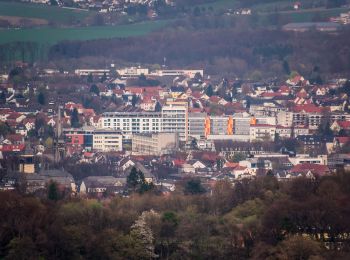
[41, 99]
[237, 157]
[135, 179]
[52, 191]
[4, 129]
[104, 77]
[75, 123]
[158, 107]
[209, 91]
[142, 235]
[286, 67]
[90, 78]
[95, 89]
[134, 100]
[193, 187]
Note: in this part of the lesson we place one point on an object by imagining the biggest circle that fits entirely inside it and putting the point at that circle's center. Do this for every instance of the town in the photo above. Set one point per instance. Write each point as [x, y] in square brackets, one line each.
[91, 131]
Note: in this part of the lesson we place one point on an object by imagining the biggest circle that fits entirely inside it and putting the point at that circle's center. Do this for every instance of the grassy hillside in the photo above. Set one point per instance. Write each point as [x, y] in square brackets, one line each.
[54, 35]
[49, 13]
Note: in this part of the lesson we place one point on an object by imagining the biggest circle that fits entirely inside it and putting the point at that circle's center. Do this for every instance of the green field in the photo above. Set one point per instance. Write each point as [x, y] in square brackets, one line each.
[220, 4]
[310, 15]
[54, 35]
[49, 13]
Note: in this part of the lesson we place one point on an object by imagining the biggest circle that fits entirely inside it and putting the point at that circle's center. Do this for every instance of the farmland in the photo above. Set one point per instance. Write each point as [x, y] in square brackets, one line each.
[55, 15]
[53, 35]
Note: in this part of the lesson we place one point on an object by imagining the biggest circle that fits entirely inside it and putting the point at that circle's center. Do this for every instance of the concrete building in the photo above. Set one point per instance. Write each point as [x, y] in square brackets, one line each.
[94, 72]
[130, 123]
[262, 132]
[107, 140]
[155, 144]
[175, 120]
[132, 72]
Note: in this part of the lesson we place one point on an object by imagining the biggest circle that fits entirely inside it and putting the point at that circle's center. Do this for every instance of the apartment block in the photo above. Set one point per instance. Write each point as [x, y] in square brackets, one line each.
[155, 143]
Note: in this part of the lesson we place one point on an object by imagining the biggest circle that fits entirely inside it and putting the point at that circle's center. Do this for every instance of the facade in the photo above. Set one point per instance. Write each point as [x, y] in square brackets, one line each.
[90, 138]
[107, 140]
[196, 122]
[175, 120]
[94, 72]
[154, 144]
[262, 132]
[130, 123]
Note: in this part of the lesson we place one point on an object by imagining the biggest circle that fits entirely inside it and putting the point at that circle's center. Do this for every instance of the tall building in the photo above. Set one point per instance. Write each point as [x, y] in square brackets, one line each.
[175, 120]
[133, 122]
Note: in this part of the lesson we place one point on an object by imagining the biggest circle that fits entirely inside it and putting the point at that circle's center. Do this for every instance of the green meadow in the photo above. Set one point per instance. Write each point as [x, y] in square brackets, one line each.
[48, 35]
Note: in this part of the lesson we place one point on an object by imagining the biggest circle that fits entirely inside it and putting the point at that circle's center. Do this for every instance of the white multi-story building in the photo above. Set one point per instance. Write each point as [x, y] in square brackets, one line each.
[133, 122]
[175, 120]
[107, 140]
[94, 72]
[262, 132]
[305, 158]
[132, 72]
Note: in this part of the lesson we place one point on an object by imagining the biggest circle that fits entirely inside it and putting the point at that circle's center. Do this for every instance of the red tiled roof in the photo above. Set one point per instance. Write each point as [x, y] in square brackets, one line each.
[309, 108]
[314, 168]
[342, 139]
[344, 124]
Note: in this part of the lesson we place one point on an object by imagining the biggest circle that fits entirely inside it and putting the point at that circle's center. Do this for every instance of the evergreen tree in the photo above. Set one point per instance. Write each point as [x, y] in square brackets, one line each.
[94, 89]
[194, 186]
[104, 77]
[135, 179]
[75, 119]
[41, 98]
[209, 91]
[158, 107]
[90, 78]
[52, 191]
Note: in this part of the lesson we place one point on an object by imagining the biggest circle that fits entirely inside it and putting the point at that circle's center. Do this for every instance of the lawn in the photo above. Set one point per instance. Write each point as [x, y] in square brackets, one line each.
[53, 35]
[49, 13]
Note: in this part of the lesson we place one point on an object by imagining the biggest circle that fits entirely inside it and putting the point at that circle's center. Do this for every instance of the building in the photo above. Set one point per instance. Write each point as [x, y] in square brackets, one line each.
[94, 72]
[130, 123]
[262, 132]
[107, 140]
[89, 138]
[132, 72]
[155, 143]
[303, 159]
[319, 26]
[175, 120]
[168, 72]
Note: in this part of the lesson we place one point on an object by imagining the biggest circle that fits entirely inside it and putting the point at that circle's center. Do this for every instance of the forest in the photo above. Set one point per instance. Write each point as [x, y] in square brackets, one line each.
[254, 219]
[221, 51]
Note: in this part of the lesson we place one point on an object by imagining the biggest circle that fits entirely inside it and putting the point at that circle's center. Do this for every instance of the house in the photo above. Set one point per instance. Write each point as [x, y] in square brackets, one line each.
[310, 170]
[256, 165]
[98, 185]
[242, 172]
[126, 163]
[337, 126]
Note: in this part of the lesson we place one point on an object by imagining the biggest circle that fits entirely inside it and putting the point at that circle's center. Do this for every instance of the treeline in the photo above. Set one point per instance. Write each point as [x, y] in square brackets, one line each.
[22, 51]
[222, 51]
[257, 219]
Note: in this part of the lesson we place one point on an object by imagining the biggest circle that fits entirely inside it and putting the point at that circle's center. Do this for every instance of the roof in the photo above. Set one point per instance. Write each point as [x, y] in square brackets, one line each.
[344, 124]
[304, 168]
